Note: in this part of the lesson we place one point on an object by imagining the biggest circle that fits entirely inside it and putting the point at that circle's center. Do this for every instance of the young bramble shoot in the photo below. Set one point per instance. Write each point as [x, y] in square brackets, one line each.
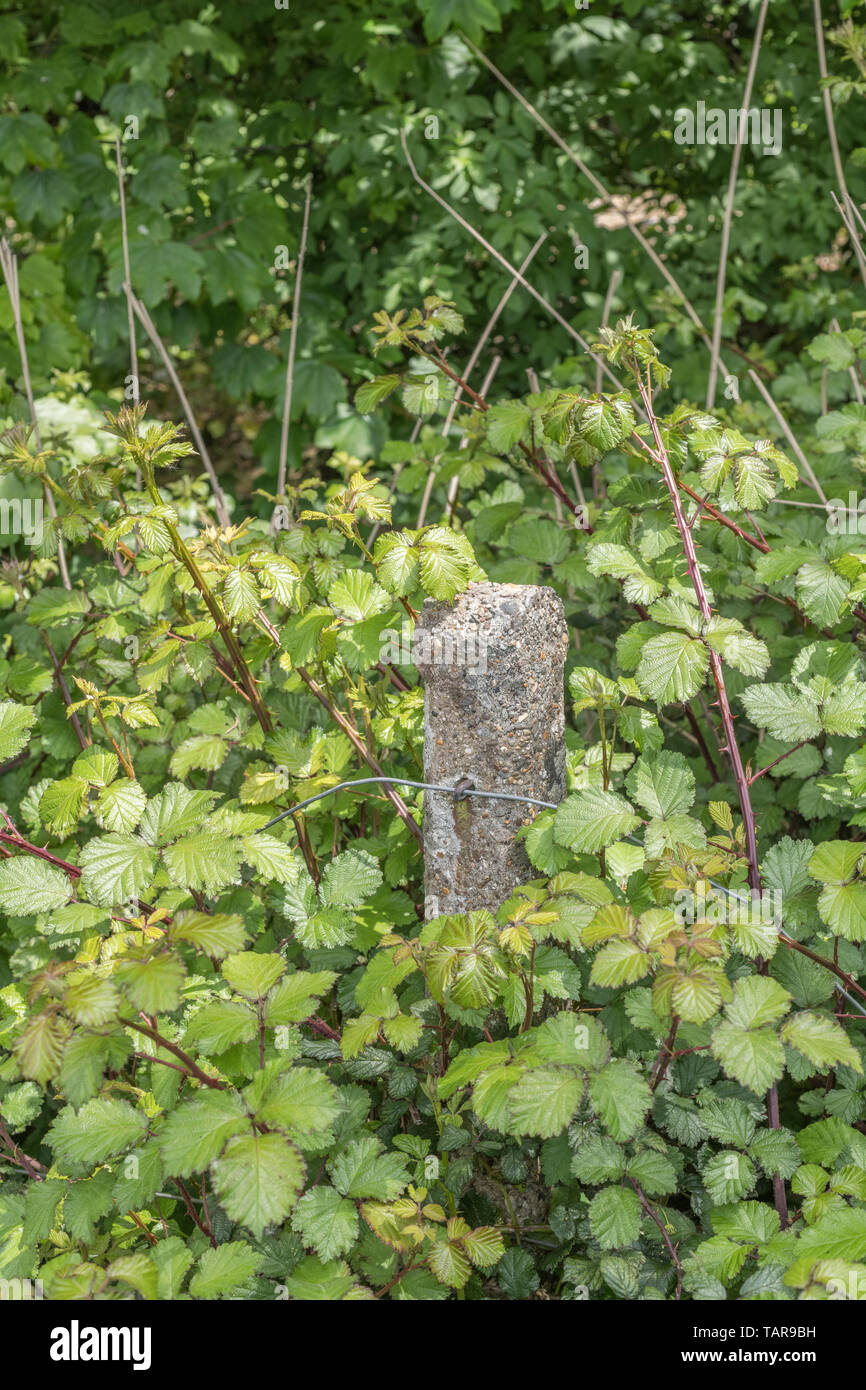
[255, 1043]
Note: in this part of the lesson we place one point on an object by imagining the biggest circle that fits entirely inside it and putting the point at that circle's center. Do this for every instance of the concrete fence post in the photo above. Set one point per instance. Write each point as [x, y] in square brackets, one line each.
[492, 664]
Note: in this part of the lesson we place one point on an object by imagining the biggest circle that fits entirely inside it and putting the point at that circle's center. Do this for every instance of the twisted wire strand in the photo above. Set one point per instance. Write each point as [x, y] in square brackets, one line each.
[459, 791]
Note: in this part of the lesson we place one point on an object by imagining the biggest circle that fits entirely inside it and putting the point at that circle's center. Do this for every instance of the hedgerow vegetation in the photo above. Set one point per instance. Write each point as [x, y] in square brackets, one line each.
[235, 1059]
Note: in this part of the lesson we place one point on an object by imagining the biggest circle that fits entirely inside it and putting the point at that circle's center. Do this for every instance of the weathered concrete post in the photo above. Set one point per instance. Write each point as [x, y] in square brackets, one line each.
[492, 664]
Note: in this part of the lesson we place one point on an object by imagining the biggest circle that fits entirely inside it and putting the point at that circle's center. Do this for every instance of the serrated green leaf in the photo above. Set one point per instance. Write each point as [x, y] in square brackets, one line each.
[621, 1098]
[544, 1100]
[29, 885]
[258, 1179]
[198, 1130]
[820, 1038]
[672, 667]
[326, 1222]
[223, 1269]
[100, 1129]
[591, 819]
[614, 1217]
[363, 1170]
[116, 869]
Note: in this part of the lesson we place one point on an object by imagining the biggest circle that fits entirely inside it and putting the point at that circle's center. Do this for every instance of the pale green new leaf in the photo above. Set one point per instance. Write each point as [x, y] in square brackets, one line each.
[444, 566]
[591, 819]
[241, 594]
[620, 962]
[39, 1048]
[662, 783]
[152, 986]
[621, 1097]
[91, 1001]
[350, 878]
[606, 422]
[203, 861]
[297, 996]
[173, 812]
[737, 646]
[506, 423]
[758, 1000]
[820, 1038]
[672, 667]
[619, 563]
[372, 393]
[270, 857]
[116, 868]
[754, 1057]
[258, 1179]
[544, 1101]
[403, 1031]
[119, 806]
[253, 973]
[484, 1246]
[29, 885]
[205, 751]
[62, 803]
[358, 1033]
[842, 904]
[301, 1101]
[96, 766]
[221, 1024]
[101, 1128]
[197, 1131]
[449, 1264]
[357, 596]
[396, 558]
[16, 722]
[217, 934]
[844, 710]
[821, 592]
[785, 712]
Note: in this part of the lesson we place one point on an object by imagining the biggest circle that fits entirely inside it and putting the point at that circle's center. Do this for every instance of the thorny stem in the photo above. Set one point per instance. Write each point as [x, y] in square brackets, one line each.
[228, 636]
[702, 743]
[666, 1052]
[319, 1025]
[125, 763]
[20, 843]
[715, 660]
[546, 474]
[30, 1165]
[732, 747]
[192, 1067]
[64, 688]
[307, 849]
[182, 553]
[529, 991]
[835, 969]
[672, 1250]
[358, 743]
[187, 1201]
[148, 1235]
[707, 507]
[755, 775]
[397, 1277]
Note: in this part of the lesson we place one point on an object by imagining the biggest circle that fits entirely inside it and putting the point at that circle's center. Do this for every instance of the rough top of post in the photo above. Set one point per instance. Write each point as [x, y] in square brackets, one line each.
[498, 606]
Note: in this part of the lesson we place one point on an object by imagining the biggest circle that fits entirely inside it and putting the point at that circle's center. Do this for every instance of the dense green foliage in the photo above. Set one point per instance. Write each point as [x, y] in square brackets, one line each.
[234, 109]
[235, 1061]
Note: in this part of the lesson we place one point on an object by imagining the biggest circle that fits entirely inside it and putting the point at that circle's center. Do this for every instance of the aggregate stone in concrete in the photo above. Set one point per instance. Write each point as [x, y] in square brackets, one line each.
[492, 664]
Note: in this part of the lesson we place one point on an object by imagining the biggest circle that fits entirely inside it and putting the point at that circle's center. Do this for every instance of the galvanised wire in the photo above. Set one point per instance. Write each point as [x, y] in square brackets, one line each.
[463, 788]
